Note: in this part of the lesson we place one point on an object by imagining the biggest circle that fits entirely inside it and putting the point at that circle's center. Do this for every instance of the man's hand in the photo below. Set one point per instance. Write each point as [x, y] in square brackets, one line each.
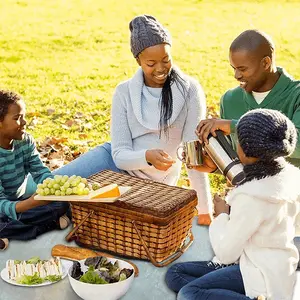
[205, 127]
[220, 206]
[159, 159]
[29, 203]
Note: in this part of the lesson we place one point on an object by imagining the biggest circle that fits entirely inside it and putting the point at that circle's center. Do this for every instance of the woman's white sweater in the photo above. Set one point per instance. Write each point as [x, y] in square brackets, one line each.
[259, 232]
[135, 129]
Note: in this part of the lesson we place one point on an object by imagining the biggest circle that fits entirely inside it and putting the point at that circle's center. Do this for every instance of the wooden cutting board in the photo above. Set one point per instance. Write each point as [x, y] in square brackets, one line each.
[85, 198]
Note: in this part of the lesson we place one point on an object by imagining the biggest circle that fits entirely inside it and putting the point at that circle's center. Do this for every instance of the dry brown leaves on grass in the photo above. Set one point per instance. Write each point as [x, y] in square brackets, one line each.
[55, 153]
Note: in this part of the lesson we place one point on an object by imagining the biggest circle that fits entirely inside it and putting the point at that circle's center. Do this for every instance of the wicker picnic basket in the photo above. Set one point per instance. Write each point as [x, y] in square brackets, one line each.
[151, 221]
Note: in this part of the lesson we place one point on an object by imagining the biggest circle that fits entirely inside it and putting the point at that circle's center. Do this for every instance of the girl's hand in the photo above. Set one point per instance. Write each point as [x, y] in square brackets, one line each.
[220, 206]
[159, 159]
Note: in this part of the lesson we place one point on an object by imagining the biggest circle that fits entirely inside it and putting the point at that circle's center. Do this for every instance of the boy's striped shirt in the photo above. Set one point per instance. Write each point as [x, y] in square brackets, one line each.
[15, 165]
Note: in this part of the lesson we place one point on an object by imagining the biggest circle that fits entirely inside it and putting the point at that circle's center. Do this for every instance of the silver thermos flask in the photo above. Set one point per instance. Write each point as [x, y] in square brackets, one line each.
[220, 151]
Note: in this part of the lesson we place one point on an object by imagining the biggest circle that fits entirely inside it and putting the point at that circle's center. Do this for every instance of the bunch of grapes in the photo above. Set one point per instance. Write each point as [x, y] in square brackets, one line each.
[63, 186]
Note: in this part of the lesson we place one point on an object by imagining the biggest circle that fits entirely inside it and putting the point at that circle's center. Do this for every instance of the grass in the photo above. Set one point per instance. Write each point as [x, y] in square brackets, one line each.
[68, 55]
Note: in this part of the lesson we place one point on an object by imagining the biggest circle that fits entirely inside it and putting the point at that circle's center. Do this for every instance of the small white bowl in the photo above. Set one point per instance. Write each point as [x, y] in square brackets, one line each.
[110, 291]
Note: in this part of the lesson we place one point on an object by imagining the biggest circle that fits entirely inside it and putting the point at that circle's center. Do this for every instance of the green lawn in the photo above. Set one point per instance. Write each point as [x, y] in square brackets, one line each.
[68, 55]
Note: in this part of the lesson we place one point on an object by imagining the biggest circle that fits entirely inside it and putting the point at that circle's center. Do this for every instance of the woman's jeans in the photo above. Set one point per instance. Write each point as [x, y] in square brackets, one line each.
[206, 280]
[91, 162]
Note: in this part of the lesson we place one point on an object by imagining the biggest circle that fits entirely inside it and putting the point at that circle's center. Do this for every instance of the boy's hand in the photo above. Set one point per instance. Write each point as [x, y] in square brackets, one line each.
[220, 206]
[30, 203]
[159, 159]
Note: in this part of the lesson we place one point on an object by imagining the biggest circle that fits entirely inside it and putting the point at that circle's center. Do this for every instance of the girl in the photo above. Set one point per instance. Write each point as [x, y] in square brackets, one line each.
[152, 114]
[258, 233]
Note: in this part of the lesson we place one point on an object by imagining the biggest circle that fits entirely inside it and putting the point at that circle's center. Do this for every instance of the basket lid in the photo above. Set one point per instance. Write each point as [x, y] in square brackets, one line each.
[146, 196]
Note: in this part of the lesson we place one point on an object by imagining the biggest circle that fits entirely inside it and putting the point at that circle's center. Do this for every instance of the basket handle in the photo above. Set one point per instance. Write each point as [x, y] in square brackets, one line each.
[68, 238]
[169, 259]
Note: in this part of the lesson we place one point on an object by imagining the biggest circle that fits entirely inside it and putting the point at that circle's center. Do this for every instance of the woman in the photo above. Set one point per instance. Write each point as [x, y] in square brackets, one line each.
[152, 114]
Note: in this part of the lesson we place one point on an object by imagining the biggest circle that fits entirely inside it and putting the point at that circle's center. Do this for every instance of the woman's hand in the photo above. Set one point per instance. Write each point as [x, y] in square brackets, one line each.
[159, 159]
[220, 206]
[208, 126]
[29, 203]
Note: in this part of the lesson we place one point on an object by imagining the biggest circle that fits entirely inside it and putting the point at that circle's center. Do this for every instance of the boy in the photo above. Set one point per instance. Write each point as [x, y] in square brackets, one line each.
[22, 217]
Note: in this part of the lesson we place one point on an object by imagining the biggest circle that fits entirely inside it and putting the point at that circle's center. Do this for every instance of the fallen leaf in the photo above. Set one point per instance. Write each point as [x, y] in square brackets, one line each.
[69, 123]
[83, 136]
[33, 114]
[55, 155]
[55, 163]
[78, 115]
[50, 111]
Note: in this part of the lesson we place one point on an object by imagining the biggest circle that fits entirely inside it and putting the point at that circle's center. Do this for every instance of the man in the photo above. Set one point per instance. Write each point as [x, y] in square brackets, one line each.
[262, 85]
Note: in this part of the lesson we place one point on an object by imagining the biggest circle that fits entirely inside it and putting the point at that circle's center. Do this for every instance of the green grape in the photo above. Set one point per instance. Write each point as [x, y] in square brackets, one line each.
[84, 181]
[66, 184]
[72, 177]
[63, 188]
[52, 191]
[56, 186]
[62, 193]
[69, 191]
[95, 186]
[57, 193]
[40, 191]
[44, 185]
[65, 178]
[80, 191]
[57, 178]
[47, 180]
[86, 191]
[40, 186]
[74, 190]
[74, 183]
[81, 185]
[46, 191]
[50, 185]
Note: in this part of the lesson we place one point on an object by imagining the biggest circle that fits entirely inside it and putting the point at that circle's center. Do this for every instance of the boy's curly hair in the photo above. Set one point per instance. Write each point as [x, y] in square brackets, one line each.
[6, 99]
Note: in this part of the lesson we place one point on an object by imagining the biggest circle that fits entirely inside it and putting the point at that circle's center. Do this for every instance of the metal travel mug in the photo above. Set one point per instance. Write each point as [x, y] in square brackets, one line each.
[193, 153]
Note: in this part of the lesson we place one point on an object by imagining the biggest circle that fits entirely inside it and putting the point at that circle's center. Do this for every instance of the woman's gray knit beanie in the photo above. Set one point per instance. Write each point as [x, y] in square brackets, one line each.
[146, 32]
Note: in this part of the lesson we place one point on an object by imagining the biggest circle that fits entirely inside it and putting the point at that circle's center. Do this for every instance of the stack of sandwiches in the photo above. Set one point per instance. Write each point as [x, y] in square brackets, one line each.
[16, 268]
